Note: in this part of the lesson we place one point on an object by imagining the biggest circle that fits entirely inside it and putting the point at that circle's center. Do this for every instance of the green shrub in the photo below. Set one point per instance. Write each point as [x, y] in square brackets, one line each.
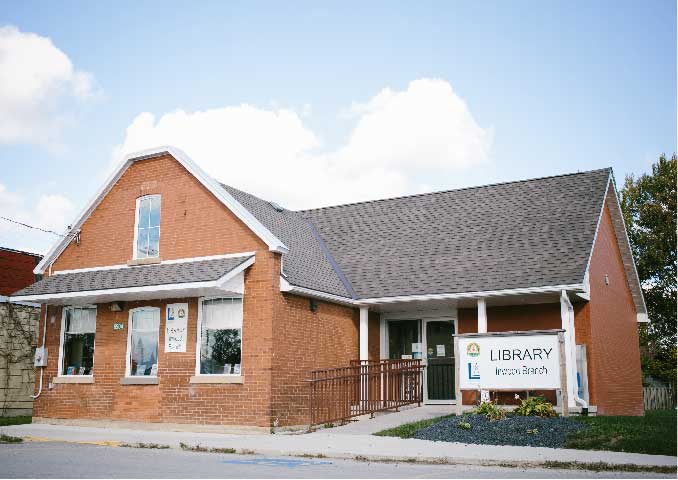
[535, 407]
[464, 425]
[491, 411]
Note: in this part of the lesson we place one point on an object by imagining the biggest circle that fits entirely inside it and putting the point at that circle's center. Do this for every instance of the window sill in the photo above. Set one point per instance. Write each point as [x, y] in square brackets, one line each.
[143, 261]
[217, 379]
[140, 380]
[74, 379]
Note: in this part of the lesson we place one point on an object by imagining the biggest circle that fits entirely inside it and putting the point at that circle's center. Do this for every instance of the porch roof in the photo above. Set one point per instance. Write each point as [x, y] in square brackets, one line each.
[171, 278]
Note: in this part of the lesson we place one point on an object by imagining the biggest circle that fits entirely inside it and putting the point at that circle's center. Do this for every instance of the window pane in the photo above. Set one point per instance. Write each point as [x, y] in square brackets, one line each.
[144, 342]
[144, 353]
[153, 242]
[144, 212]
[220, 351]
[142, 243]
[154, 220]
[78, 342]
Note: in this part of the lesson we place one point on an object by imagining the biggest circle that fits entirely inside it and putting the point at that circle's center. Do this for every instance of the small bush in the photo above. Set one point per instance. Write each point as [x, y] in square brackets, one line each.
[491, 411]
[464, 425]
[535, 407]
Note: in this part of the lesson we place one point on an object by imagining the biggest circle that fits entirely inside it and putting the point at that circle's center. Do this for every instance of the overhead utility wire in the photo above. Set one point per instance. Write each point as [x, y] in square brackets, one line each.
[31, 226]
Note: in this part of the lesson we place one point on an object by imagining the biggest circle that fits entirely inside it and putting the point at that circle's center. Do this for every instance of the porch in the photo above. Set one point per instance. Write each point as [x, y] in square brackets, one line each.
[424, 327]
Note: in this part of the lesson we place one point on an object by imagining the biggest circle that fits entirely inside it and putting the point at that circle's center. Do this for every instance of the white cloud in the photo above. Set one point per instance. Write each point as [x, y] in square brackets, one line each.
[402, 142]
[50, 212]
[36, 85]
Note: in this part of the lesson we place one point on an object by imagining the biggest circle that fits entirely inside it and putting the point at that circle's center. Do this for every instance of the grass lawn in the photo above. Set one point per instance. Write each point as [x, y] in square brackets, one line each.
[408, 430]
[655, 433]
[4, 421]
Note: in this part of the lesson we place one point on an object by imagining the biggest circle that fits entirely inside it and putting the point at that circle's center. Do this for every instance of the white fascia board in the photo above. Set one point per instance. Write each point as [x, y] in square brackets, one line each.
[273, 243]
[471, 295]
[4, 299]
[285, 286]
[642, 318]
[220, 284]
[595, 235]
[628, 245]
[164, 262]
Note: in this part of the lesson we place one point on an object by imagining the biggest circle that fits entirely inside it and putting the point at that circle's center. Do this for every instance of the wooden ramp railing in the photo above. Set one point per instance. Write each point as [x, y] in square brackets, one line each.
[363, 387]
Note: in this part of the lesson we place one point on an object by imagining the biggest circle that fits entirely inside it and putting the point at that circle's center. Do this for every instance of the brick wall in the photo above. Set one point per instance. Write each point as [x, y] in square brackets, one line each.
[281, 338]
[16, 270]
[614, 358]
[305, 341]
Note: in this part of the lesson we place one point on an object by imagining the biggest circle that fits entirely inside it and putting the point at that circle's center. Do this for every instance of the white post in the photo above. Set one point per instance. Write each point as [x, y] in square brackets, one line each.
[364, 349]
[482, 316]
[568, 327]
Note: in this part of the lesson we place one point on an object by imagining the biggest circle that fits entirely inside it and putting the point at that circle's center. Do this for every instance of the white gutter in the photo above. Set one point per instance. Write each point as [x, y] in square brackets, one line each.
[567, 319]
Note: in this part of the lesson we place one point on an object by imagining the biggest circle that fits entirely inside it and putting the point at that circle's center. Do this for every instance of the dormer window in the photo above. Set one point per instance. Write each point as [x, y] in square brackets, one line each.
[147, 227]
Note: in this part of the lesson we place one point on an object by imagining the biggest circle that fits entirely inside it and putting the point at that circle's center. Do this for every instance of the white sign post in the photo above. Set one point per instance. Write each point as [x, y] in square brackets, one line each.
[529, 360]
[176, 327]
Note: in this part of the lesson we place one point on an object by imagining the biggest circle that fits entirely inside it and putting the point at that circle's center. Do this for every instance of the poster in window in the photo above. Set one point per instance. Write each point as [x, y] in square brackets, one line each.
[236, 369]
[176, 327]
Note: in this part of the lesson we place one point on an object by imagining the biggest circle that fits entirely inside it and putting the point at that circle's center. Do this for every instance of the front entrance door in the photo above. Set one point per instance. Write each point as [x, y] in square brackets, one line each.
[440, 361]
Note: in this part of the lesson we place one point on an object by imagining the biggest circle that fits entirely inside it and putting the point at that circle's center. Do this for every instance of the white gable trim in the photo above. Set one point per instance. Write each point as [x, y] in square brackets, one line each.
[624, 248]
[273, 243]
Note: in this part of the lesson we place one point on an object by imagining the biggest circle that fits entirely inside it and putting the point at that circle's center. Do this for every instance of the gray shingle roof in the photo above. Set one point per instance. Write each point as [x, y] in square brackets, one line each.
[141, 276]
[521, 234]
[307, 264]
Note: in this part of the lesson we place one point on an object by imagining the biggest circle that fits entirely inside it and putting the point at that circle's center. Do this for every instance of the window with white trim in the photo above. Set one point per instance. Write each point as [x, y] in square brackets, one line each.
[147, 227]
[78, 327]
[142, 342]
[219, 336]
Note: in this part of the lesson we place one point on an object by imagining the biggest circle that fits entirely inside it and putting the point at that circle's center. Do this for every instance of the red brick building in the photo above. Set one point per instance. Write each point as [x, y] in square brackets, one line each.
[177, 299]
[16, 270]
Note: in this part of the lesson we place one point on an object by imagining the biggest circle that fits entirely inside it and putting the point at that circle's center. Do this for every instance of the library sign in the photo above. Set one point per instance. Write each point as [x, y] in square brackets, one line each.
[509, 362]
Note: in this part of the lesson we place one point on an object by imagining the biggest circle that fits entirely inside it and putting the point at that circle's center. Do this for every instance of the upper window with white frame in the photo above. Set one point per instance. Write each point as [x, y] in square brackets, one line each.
[219, 336]
[142, 342]
[147, 228]
[78, 327]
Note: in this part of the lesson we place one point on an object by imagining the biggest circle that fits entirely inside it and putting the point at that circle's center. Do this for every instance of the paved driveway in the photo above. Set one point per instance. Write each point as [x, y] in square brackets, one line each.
[69, 460]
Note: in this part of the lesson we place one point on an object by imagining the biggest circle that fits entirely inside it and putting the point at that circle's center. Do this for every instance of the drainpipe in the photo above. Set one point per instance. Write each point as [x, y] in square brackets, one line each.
[44, 337]
[567, 319]
[364, 345]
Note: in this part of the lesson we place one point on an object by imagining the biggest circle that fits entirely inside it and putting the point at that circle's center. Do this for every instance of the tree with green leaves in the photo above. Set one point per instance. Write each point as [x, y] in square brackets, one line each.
[649, 206]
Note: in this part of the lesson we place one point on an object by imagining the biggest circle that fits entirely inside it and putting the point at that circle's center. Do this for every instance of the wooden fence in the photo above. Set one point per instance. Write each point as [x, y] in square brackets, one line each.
[659, 398]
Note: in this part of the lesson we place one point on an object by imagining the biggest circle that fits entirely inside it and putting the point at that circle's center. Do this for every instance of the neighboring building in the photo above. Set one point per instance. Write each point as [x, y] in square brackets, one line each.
[18, 329]
[178, 299]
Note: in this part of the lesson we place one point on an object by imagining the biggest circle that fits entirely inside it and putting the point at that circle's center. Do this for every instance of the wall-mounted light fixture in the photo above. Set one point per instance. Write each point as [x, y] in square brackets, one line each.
[313, 304]
[117, 306]
[607, 279]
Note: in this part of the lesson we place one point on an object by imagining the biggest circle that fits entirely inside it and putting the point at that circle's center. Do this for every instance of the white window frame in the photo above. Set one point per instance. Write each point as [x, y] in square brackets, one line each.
[128, 373]
[198, 344]
[136, 223]
[60, 371]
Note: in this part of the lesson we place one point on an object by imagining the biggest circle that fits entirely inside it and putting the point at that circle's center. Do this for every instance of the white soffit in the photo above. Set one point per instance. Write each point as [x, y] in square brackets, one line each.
[273, 243]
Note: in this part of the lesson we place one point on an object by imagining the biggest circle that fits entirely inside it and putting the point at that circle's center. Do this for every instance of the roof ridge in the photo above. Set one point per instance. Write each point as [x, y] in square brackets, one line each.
[438, 192]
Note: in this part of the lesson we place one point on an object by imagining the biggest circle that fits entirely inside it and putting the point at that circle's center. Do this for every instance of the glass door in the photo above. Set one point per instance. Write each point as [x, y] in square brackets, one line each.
[440, 360]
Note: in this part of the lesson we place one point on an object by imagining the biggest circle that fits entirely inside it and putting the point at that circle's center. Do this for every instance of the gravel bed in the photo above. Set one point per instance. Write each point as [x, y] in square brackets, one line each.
[551, 432]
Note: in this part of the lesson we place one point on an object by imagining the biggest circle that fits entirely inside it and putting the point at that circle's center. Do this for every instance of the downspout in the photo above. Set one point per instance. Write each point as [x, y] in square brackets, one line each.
[44, 337]
[567, 318]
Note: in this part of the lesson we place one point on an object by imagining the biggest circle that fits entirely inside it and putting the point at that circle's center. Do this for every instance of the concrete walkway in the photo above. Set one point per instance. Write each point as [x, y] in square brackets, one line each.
[326, 443]
[384, 420]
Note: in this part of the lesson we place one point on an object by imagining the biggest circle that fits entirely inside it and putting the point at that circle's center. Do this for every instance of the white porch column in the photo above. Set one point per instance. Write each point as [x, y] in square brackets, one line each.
[567, 324]
[364, 349]
[482, 316]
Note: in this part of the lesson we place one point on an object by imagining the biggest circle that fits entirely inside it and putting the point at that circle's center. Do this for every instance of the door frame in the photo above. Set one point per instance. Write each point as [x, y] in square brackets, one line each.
[424, 318]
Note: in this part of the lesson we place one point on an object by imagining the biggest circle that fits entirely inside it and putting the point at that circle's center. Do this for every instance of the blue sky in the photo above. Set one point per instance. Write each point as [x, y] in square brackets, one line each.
[314, 103]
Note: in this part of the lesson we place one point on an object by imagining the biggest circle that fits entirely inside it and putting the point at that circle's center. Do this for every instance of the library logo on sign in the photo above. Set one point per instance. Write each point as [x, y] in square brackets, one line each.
[473, 349]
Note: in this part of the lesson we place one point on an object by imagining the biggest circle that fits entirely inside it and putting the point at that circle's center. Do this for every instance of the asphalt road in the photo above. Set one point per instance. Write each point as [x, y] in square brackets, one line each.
[71, 460]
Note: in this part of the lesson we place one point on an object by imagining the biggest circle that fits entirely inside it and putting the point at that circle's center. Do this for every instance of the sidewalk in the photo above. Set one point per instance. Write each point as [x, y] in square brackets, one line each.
[325, 443]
